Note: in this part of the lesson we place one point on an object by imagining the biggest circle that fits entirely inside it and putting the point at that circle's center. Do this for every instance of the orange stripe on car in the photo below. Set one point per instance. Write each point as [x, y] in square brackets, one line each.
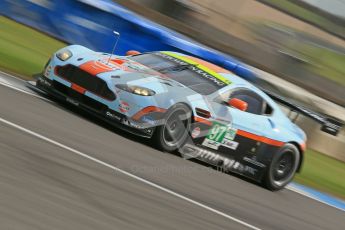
[117, 61]
[209, 65]
[146, 110]
[78, 88]
[260, 138]
[95, 67]
[203, 120]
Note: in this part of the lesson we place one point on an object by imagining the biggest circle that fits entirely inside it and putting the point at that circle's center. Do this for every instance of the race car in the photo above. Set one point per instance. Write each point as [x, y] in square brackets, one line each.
[187, 105]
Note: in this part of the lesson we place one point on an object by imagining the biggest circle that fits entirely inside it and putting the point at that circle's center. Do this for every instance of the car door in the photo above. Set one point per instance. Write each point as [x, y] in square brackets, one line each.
[249, 127]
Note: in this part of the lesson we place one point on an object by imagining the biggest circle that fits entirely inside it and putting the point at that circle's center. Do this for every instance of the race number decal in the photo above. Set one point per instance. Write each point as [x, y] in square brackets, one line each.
[219, 135]
[217, 132]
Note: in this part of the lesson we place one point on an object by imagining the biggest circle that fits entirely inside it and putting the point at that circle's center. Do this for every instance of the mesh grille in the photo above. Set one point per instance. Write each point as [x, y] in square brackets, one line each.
[79, 97]
[84, 79]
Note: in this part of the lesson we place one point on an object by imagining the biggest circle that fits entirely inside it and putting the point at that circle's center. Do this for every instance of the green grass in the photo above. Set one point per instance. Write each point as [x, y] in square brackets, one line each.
[307, 15]
[323, 173]
[24, 51]
[324, 62]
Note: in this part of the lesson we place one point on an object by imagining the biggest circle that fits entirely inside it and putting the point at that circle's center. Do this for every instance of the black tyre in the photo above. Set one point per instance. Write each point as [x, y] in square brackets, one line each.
[175, 131]
[282, 168]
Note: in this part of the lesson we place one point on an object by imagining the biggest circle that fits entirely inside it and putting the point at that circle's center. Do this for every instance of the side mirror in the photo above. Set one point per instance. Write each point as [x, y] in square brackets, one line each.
[132, 52]
[238, 104]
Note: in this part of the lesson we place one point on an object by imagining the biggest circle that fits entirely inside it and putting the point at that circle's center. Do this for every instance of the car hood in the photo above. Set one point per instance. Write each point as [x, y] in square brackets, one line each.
[157, 83]
[121, 70]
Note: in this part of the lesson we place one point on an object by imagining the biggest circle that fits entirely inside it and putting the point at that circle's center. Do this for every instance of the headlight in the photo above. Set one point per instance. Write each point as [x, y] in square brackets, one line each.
[142, 91]
[64, 55]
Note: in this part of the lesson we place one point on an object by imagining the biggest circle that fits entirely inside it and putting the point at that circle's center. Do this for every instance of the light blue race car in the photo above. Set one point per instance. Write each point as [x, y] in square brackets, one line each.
[188, 105]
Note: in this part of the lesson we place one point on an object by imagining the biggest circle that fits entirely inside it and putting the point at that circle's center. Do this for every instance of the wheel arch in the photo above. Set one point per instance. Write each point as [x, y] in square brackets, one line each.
[301, 152]
[159, 132]
[186, 104]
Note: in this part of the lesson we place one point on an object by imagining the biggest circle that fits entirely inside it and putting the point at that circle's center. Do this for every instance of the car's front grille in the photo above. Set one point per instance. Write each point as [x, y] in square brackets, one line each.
[98, 106]
[88, 81]
[61, 88]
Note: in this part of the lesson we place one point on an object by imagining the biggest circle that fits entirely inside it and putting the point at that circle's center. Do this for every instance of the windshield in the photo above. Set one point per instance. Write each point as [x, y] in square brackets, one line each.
[182, 72]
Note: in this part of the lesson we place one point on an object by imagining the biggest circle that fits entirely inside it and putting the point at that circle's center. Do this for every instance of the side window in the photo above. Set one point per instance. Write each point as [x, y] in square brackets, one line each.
[255, 102]
[268, 109]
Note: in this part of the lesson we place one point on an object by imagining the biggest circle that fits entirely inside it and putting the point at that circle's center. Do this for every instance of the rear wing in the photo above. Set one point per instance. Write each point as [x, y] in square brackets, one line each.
[329, 124]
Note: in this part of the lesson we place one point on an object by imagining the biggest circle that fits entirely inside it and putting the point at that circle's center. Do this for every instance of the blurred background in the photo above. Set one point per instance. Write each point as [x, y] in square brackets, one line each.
[296, 47]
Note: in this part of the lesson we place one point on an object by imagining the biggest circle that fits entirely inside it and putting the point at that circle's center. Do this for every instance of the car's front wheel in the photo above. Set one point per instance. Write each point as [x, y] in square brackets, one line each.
[175, 131]
[282, 168]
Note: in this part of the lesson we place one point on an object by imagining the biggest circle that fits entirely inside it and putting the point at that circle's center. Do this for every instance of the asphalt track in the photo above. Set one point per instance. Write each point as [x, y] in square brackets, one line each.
[62, 169]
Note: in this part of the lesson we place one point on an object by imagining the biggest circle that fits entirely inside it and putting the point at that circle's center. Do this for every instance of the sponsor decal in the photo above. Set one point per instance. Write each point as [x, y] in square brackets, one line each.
[230, 144]
[201, 70]
[132, 124]
[231, 134]
[195, 132]
[127, 122]
[208, 76]
[211, 144]
[224, 163]
[95, 67]
[124, 107]
[113, 116]
[115, 63]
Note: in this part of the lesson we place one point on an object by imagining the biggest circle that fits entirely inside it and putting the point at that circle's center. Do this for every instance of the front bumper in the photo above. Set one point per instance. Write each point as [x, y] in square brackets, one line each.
[66, 94]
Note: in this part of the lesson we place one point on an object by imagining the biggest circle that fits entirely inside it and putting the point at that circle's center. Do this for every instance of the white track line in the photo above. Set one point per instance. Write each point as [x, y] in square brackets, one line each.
[11, 76]
[159, 187]
[22, 90]
[296, 190]
[19, 89]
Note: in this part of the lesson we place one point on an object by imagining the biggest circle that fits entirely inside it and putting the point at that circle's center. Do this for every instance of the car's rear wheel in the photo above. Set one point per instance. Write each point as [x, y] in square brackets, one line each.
[175, 131]
[282, 168]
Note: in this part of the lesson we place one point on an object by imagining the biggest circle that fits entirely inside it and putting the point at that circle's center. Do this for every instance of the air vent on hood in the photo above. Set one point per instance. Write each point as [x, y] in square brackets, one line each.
[166, 83]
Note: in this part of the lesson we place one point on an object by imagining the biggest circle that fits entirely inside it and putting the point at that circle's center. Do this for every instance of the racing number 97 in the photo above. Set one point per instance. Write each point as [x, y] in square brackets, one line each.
[217, 133]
